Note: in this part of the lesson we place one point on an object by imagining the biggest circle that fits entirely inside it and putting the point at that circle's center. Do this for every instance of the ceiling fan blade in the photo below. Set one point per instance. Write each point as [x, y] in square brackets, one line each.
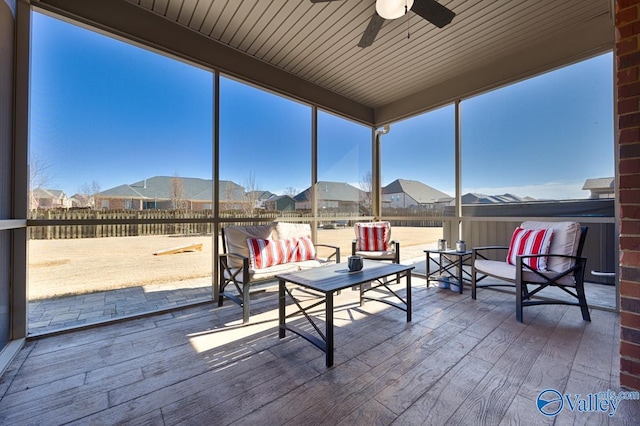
[372, 30]
[433, 12]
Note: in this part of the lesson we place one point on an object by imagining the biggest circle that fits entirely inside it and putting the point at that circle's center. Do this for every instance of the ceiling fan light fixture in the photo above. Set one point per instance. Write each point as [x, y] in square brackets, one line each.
[393, 9]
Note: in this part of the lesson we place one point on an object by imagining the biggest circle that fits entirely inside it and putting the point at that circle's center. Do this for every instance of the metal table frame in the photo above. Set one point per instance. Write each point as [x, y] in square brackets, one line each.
[454, 260]
[327, 280]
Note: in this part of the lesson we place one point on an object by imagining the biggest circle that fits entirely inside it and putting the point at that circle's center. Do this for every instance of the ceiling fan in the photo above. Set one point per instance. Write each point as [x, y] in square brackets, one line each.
[430, 10]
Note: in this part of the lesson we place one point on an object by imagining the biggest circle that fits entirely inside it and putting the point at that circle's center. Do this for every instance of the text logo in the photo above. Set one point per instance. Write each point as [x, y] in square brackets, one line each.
[550, 402]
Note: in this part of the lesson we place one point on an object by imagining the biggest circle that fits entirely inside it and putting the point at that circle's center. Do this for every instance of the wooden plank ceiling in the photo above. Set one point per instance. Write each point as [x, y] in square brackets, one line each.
[488, 43]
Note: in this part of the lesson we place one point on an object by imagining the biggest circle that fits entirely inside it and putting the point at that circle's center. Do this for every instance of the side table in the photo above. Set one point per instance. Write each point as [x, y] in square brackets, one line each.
[450, 263]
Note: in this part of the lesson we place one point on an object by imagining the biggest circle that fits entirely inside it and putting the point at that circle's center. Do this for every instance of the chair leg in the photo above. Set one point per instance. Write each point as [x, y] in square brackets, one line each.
[245, 303]
[582, 299]
[221, 291]
[473, 283]
[519, 301]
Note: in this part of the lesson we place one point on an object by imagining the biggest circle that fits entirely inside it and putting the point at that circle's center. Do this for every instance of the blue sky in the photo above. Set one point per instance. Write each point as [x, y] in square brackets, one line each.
[106, 111]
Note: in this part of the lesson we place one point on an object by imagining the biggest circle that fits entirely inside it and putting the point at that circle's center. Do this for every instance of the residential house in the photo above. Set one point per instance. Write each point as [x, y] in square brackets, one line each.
[280, 203]
[258, 198]
[82, 201]
[49, 199]
[402, 193]
[169, 193]
[332, 196]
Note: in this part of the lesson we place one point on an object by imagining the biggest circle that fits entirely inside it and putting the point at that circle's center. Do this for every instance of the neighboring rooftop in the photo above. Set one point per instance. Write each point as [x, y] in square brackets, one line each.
[422, 193]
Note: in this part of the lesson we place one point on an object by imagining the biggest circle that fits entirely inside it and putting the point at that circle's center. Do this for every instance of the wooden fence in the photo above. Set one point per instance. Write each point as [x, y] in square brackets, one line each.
[127, 223]
[169, 223]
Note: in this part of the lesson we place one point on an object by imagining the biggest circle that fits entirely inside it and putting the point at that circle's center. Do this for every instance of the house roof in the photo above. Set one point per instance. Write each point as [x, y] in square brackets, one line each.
[261, 195]
[417, 190]
[308, 50]
[48, 193]
[160, 187]
[473, 198]
[599, 184]
[332, 191]
[276, 198]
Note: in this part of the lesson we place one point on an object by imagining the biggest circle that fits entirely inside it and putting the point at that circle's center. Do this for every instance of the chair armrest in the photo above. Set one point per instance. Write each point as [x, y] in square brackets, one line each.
[491, 248]
[224, 263]
[228, 273]
[335, 253]
[477, 252]
[577, 269]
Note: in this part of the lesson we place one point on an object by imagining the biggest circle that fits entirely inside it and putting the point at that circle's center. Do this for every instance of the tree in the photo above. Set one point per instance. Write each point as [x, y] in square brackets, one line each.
[251, 195]
[89, 194]
[366, 185]
[178, 200]
[291, 191]
[38, 178]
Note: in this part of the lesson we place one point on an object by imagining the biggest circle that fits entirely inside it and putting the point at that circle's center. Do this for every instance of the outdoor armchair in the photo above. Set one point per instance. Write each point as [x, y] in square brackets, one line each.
[541, 255]
[373, 241]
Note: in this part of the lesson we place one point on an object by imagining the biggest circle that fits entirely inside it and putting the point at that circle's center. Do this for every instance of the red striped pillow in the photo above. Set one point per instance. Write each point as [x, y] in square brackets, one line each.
[530, 241]
[373, 236]
[303, 250]
[265, 253]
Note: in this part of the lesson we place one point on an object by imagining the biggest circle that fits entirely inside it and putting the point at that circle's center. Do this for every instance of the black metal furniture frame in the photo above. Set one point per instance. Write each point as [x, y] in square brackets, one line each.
[329, 279]
[455, 259]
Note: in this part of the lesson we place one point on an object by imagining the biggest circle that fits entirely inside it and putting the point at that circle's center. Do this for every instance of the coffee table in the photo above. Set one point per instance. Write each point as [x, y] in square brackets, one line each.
[330, 279]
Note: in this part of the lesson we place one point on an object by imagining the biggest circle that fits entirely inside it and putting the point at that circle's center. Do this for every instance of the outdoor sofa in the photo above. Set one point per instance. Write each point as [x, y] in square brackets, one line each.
[257, 253]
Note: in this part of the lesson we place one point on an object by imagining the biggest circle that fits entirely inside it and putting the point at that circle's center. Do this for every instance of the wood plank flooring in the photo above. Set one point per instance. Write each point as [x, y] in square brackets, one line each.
[460, 361]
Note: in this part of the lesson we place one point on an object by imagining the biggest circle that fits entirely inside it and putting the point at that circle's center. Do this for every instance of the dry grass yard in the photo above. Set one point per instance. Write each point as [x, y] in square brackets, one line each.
[76, 266]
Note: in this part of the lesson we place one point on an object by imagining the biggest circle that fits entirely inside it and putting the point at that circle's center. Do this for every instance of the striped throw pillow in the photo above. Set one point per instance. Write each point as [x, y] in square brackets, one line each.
[372, 236]
[265, 253]
[303, 250]
[530, 241]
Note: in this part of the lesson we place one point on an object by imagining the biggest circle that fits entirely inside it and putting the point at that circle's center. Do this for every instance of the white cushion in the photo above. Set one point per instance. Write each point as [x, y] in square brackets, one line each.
[379, 255]
[508, 272]
[283, 268]
[271, 271]
[309, 264]
[287, 231]
[565, 240]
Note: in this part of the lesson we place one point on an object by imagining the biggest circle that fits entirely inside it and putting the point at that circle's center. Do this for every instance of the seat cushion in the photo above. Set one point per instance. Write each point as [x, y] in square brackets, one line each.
[310, 264]
[565, 240]
[272, 271]
[507, 272]
[377, 255]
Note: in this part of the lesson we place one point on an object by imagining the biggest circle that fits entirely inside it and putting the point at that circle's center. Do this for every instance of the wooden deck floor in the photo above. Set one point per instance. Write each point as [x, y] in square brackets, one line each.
[459, 362]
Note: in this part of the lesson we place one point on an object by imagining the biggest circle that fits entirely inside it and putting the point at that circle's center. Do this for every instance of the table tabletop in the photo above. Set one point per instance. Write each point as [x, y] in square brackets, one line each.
[336, 277]
[452, 251]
